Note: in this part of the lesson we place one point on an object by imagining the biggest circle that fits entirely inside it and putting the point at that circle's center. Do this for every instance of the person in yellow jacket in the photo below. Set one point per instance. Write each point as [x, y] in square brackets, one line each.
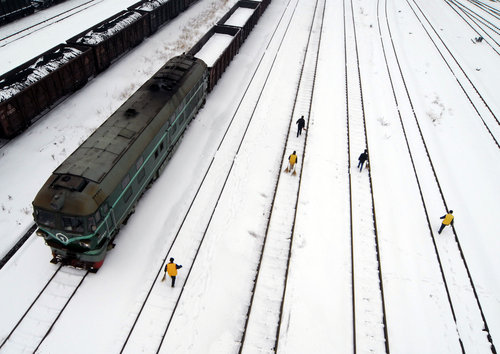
[171, 268]
[447, 220]
[292, 160]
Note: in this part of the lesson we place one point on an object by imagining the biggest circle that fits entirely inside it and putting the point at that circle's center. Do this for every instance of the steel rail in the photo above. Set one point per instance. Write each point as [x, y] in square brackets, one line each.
[438, 184]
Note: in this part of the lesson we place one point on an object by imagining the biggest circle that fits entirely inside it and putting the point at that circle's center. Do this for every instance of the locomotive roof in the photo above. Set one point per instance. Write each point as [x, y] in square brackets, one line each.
[95, 158]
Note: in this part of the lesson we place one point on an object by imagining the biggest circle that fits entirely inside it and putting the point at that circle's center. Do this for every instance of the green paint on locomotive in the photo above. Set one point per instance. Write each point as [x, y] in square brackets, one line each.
[89, 196]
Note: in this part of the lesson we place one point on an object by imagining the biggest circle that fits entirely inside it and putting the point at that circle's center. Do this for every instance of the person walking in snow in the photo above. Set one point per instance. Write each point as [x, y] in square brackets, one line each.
[447, 220]
[292, 160]
[362, 158]
[171, 268]
[300, 125]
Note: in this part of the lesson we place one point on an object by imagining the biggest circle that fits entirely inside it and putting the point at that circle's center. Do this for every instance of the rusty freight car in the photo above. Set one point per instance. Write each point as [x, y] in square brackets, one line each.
[244, 14]
[229, 39]
[160, 11]
[114, 36]
[33, 87]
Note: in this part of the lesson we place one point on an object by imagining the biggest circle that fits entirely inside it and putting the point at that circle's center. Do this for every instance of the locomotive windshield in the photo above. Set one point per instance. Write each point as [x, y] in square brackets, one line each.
[45, 218]
[74, 224]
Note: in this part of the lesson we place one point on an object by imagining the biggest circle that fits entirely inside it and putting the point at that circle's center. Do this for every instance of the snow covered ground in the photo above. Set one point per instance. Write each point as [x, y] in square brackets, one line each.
[318, 309]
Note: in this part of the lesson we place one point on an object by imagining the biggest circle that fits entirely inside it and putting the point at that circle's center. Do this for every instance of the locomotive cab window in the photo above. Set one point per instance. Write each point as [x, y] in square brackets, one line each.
[98, 217]
[91, 224]
[104, 209]
[45, 218]
[141, 175]
[92, 221]
[127, 195]
[139, 163]
[72, 223]
[125, 181]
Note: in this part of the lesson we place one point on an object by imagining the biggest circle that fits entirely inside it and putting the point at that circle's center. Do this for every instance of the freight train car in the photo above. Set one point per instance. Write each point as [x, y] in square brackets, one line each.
[114, 36]
[160, 11]
[105, 41]
[42, 4]
[228, 37]
[13, 9]
[35, 86]
[244, 14]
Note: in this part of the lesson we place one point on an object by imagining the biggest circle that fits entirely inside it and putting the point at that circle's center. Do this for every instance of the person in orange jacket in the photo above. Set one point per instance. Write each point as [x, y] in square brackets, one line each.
[171, 268]
[447, 220]
[292, 160]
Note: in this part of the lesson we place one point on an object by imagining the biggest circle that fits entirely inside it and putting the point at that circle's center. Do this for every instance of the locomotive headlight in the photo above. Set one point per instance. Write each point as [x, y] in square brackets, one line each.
[84, 243]
[41, 233]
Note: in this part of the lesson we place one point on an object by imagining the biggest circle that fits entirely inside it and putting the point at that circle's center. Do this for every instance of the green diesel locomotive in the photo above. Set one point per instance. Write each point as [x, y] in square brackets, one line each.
[81, 207]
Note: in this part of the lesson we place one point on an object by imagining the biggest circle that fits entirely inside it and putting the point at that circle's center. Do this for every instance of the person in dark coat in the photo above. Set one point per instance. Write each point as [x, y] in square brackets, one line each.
[447, 220]
[171, 268]
[300, 125]
[362, 158]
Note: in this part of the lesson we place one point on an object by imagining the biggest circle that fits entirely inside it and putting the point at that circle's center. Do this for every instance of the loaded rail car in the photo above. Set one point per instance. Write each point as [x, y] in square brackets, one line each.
[14, 9]
[113, 37]
[244, 14]
[43, 4]
[30, 89]
[159, 11]
[263, 5]
[83, 204]
[104, 42]
[208, 49]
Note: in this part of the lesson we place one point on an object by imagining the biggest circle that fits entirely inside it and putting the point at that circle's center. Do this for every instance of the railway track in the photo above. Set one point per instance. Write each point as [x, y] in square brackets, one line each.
[18, 245]
[11, 38]
[483, 20]
[486, 8]
[361, 191]
[464, 303]
[269, 290]
[34, 307]
[44, 311]
[484, 112]
[368, 301]
[153, 305]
